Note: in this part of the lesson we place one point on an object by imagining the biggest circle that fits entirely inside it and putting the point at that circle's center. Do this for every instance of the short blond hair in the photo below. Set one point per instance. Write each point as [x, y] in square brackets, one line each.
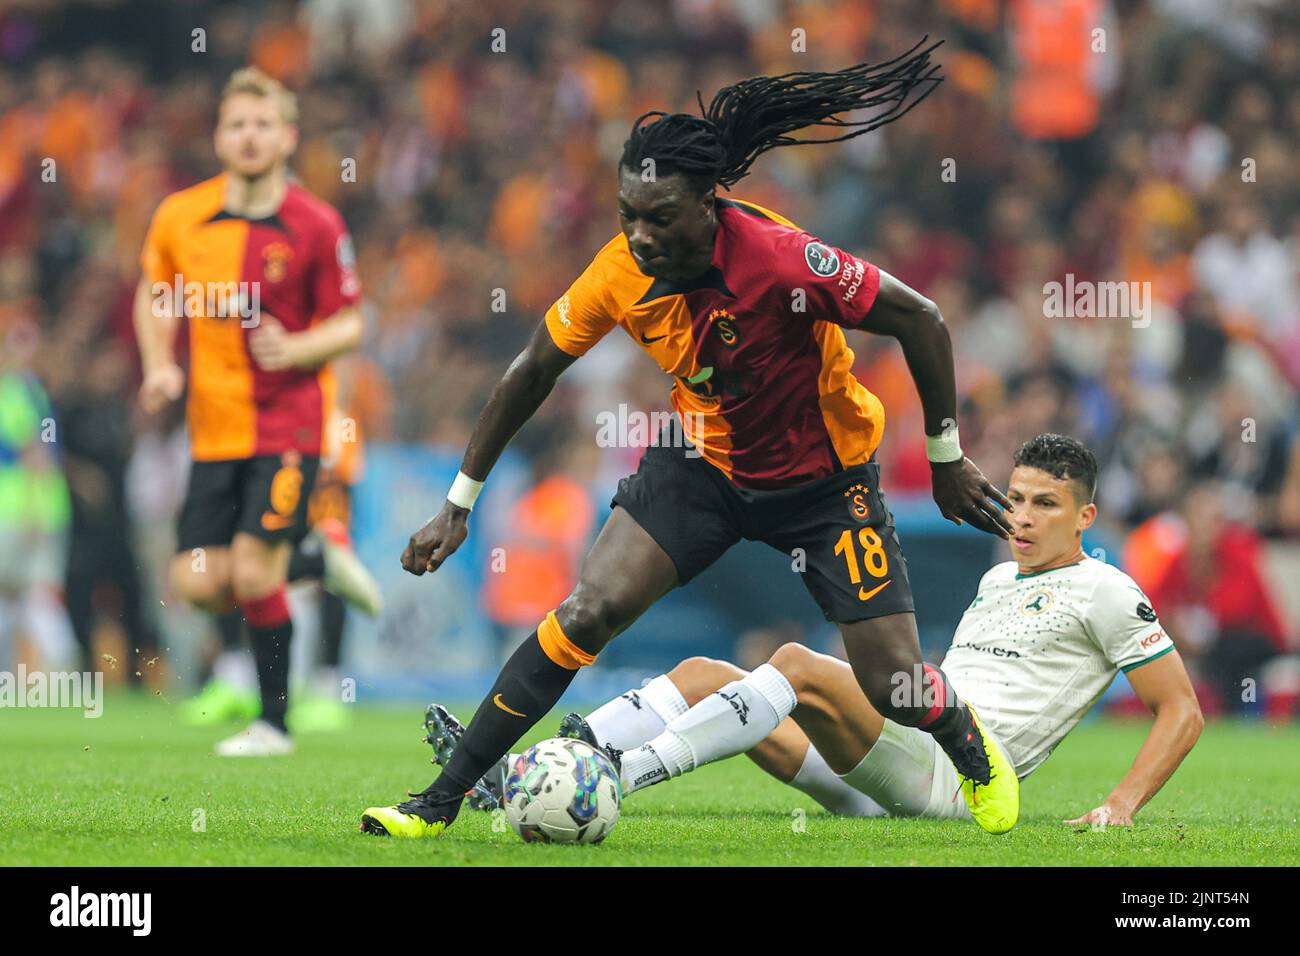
[255, 82]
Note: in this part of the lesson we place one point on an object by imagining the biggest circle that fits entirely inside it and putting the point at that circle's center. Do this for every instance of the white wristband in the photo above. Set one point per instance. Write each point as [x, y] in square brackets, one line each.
[945, 447]
[464, 491]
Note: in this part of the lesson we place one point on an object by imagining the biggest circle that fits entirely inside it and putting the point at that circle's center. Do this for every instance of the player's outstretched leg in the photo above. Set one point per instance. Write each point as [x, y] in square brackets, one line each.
[732, 712]
[326, 554]
[625, 573]
[885, 654]
[732, 720]
[633, 719]
[639, 714]
[788, 753]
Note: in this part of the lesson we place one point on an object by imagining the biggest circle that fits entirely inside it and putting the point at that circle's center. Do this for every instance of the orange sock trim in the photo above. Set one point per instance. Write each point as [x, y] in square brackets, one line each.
[558, 647]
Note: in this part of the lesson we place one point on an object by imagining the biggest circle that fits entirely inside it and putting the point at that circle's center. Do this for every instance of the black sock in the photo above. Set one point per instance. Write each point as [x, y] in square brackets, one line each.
[333, 615]
[528, 687]
[230, 626]
[270, 630]
[307, 560]
[948, 718]
[950, 721]
[953, 726]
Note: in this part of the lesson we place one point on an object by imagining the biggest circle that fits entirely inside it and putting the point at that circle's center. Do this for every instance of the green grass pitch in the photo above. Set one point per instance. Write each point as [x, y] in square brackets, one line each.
[132, 787]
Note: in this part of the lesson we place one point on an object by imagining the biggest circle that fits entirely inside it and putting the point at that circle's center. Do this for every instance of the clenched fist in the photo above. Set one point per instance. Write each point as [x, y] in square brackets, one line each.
[273, 347]
[436, 541]
[160, 386]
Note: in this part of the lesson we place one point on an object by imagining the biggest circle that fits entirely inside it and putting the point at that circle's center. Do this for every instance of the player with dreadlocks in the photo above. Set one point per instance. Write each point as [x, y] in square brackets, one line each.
[773, 441]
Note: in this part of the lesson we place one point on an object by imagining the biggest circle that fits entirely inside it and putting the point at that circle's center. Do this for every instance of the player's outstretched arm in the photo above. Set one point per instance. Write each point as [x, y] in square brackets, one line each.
[1164, 687]
[519, 394]
[960, 489]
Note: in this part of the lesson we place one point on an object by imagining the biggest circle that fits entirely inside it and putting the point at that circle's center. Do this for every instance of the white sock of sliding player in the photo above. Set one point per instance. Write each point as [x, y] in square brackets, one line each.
[631, 719]
[727, 722]
[819, 781]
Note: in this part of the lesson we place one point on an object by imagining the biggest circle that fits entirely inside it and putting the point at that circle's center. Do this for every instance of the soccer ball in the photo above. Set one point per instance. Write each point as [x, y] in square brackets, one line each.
[562, 791]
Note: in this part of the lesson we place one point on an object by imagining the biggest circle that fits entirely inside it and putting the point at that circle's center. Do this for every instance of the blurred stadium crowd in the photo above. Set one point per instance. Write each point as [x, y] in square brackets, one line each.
[1107, 140]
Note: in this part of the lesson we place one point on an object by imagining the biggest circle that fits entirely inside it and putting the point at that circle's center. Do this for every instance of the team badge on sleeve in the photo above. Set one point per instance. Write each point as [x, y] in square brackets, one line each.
[343, 250]
[821, 258]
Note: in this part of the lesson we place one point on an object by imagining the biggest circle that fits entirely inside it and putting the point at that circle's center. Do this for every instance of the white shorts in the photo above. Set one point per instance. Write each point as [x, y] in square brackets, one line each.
[909, 775]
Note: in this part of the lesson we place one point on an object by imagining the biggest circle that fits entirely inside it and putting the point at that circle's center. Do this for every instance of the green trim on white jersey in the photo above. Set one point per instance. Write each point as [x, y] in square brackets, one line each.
[1021, 575]
[1153, 657]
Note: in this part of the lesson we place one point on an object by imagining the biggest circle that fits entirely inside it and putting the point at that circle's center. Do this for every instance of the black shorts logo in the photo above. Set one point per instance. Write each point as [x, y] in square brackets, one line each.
[286, 492]
[859, 501]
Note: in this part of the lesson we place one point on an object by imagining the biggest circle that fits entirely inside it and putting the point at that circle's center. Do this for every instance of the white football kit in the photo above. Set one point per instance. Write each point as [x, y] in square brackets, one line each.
[1032, 653]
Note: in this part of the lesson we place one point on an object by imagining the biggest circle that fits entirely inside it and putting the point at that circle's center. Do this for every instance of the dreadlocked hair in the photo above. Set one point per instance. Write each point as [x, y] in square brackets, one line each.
[748, 118]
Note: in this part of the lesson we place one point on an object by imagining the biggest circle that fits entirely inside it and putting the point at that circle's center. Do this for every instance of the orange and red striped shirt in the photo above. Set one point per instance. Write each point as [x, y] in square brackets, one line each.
[763, 380]
[299, 264]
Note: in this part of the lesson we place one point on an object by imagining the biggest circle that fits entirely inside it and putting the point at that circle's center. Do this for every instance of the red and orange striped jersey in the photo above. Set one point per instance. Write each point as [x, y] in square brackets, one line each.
[764, 385]
[300, 266]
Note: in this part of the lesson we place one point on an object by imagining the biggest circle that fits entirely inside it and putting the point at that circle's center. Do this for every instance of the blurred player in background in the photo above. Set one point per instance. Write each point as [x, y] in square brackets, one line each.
[265, 273]
[34, 513]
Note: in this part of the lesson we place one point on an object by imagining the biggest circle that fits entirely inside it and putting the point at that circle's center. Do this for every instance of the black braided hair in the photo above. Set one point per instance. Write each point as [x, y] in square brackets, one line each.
[746, 119]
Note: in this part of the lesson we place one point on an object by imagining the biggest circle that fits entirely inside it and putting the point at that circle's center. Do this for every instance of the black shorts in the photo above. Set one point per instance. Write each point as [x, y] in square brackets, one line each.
[837, 530]
[264, 496]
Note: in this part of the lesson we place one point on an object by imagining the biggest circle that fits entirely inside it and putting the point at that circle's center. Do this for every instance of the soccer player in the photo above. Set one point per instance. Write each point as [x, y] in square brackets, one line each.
[265, 273]
[1043, 638]
[34, 513]
[774, 437]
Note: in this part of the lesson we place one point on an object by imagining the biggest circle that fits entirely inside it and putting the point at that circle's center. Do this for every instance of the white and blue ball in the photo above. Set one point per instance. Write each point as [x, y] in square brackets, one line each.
[562, 791]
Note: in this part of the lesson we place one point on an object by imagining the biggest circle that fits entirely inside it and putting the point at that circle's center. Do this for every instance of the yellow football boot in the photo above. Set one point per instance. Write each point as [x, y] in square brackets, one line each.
[402, 821]
[994, 805]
